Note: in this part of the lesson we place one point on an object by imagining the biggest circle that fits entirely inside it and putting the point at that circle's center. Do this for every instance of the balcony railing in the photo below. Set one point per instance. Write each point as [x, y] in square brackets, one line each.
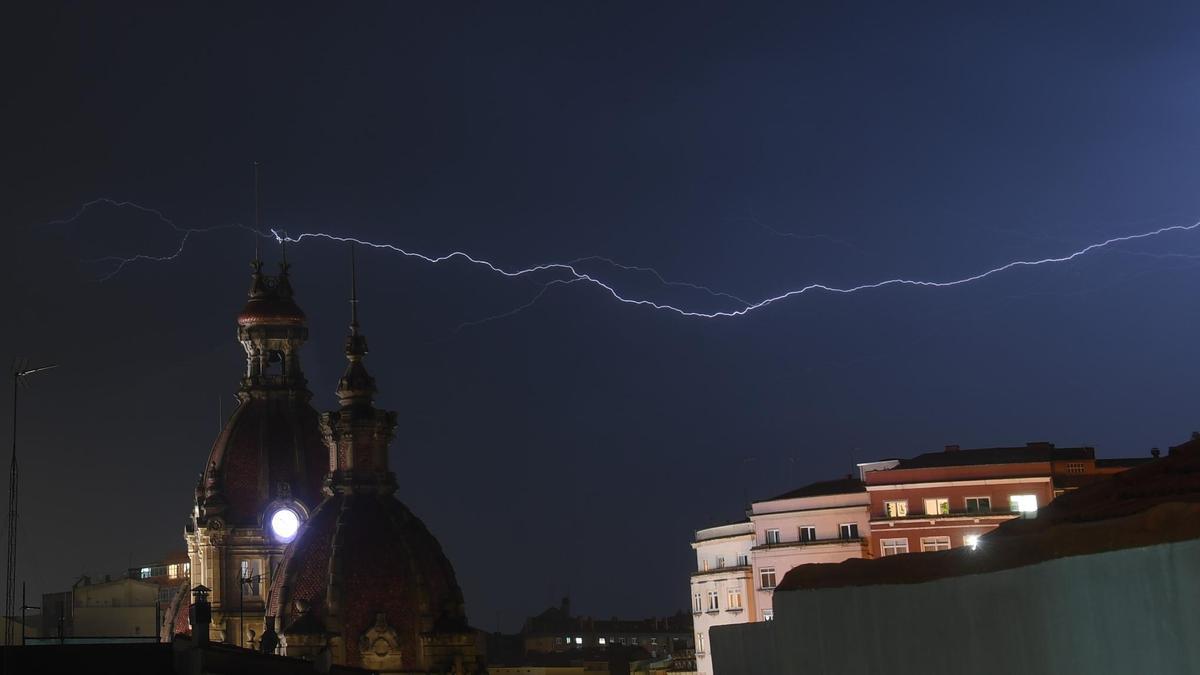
[955, 513]
[719, 570]
[810, 542]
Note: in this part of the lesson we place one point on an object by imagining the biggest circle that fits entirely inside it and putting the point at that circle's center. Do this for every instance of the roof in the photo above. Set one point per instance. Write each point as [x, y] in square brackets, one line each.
[1157, 502]
[826, 487]
[1031, 452]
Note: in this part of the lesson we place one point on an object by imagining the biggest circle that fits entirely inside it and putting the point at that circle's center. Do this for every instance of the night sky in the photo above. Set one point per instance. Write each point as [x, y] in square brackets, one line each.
[575, 446]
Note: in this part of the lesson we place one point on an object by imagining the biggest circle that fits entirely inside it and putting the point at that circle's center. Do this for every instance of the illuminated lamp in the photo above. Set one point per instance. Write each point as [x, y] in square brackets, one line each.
[284, 524]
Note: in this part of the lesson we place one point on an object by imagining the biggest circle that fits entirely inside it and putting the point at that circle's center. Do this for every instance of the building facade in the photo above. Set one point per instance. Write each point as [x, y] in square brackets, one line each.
[942, 500]
[722, 586]
[739, 564]
[824, 522]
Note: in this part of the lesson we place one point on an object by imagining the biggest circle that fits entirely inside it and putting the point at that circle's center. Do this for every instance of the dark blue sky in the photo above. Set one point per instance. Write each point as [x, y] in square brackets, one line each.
[578, 444]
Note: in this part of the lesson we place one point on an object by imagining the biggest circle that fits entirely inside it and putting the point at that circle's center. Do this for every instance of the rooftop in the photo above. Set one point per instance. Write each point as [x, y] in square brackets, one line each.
[1030, 452]
[838, 486]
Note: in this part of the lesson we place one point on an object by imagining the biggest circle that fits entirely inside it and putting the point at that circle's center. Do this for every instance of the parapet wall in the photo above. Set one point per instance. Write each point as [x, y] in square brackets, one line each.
[1127, 611]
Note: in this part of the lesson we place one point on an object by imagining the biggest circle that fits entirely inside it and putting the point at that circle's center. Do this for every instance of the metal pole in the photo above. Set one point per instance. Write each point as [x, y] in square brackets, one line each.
[11, 563]
[241, 611]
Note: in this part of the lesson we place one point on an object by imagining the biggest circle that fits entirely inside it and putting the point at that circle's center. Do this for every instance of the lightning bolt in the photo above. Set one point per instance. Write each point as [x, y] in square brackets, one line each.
[578, 275]
[573, 274]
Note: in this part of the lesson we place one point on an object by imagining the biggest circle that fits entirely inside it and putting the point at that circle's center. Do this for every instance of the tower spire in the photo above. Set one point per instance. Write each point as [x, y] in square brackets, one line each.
[353, 294]
[257, 218]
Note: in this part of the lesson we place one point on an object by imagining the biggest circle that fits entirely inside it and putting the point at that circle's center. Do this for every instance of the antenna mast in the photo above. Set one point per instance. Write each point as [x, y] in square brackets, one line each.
[19, 373]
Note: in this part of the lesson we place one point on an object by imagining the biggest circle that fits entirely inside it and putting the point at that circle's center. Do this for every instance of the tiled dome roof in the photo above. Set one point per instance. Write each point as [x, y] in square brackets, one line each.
[357, 557]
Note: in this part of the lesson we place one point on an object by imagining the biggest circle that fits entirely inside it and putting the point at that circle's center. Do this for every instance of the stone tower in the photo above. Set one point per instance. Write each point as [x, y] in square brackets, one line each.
[265, 472]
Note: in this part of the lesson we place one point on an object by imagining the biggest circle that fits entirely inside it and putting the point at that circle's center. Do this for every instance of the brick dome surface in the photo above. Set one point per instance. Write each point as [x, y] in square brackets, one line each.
[361, 555]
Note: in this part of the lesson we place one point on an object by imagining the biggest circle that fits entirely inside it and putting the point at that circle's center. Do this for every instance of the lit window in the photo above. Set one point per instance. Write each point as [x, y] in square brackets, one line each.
[768, 615]
[767, 576]
[935, 543]
[713, 601]
[1074, 467]
[602, 641]
[735, 598]
[173, 571]
[697, 604]
[772, 536]
[893, 546]
[979, 504]
[848, 530]
[144, 573]
[284, 524]
[1023, 503]
[251, 574]
[578, 640]
[808, 533]
[897, 508]
[971, 540]
[187, 568]
[939, 506]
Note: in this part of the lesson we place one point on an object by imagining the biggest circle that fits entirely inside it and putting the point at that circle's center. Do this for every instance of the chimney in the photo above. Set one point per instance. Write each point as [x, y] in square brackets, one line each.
[201, 616]
[953, 448]
[1154, 453]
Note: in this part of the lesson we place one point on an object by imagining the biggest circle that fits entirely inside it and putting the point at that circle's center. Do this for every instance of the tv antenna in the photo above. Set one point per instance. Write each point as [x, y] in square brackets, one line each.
[20, 373]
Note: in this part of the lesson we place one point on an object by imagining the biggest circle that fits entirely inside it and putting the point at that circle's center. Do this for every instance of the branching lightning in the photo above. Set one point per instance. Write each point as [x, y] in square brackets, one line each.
[571, 272]
[122, 261]
[577, 275]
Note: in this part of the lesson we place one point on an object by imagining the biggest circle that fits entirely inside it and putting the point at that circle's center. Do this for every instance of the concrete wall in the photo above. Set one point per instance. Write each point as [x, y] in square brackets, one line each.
[1130, 611]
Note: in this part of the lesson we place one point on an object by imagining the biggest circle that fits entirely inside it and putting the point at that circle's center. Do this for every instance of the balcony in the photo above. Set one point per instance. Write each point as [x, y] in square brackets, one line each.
[857, 541]
[956, 513]
[722, 570]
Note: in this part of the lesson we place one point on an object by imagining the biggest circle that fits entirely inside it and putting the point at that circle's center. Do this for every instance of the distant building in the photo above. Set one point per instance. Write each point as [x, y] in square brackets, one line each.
[557, 631]
[942, 500]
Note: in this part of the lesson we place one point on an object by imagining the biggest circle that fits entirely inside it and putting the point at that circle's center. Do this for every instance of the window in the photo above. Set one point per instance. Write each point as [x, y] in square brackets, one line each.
[768, 615]
[979, 504]
[935, 543]
[849, 530]
[772, 536]
[734, 599]
[893, 546]
[704, 565]
[602, 641]
[720, 561]
[743, 560]
[697, 604]
[1023, 503]
[187, 568]
[251, 575]
[144, 573]
[558, 641]
[897, 508]
[699, 643]
[971, 540]
[808, 533]
[714, 603]
[1074, 467]
[578, 640]
[939, 506]
[767, 576]
[173, 571]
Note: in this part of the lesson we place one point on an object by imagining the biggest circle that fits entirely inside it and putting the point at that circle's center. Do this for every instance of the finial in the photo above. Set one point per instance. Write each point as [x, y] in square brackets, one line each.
[353, 293]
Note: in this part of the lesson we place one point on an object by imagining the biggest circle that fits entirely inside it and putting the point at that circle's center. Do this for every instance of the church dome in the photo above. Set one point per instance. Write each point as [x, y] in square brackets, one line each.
[365, 569]
[363, 577]
[271, 310]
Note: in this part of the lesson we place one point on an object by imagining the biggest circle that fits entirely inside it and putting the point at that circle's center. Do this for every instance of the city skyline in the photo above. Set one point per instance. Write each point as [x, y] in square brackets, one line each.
[751, 152]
